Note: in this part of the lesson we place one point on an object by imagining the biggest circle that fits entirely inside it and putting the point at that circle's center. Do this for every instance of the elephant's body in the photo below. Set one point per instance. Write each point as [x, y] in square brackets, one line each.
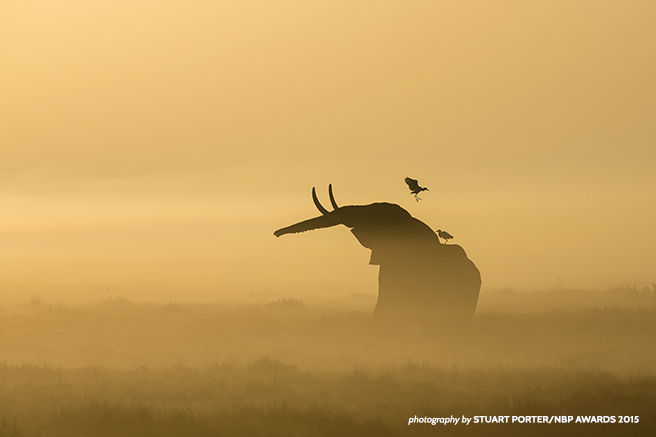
[421, 282]
[438, 292]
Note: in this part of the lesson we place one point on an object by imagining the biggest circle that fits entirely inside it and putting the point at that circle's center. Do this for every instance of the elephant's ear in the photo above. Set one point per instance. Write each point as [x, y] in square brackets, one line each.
[324, 221]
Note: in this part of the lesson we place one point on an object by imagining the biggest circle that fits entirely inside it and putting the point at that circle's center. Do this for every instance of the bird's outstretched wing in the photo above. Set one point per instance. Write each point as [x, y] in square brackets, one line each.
[413, 184]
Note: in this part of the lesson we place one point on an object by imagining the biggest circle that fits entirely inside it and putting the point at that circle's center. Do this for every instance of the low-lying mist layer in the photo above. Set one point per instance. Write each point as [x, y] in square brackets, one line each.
[508, 329]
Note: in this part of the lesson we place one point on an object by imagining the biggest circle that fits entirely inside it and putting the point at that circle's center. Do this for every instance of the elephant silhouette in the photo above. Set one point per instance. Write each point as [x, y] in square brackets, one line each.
[421, 282]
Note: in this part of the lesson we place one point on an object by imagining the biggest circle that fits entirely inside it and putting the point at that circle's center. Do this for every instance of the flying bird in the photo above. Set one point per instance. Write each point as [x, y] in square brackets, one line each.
[415, 189]
[445, 235]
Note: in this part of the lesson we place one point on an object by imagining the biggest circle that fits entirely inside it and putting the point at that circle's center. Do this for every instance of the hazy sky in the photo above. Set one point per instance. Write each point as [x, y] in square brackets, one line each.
[166, 140]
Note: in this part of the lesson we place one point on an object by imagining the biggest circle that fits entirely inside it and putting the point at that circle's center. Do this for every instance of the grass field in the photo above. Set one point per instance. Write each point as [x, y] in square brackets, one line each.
[286, 368]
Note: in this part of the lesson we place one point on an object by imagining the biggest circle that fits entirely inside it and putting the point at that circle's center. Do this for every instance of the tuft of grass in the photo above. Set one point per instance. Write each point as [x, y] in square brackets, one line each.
[36, 301]
[287, 304]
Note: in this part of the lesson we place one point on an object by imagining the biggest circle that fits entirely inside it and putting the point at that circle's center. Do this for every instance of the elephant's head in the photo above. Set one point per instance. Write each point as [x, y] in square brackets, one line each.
[385, 228]
[420, 280]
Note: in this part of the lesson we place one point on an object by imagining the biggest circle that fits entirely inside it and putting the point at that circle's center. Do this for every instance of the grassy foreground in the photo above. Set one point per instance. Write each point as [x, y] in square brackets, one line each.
[268, 397]
[285, 369]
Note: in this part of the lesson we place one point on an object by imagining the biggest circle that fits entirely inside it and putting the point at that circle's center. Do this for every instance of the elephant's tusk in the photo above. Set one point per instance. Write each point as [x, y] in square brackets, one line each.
[332, 198]
[323, 210]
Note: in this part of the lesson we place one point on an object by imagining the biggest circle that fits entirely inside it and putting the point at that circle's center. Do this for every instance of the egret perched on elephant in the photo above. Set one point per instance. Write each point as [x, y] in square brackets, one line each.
[420, 281]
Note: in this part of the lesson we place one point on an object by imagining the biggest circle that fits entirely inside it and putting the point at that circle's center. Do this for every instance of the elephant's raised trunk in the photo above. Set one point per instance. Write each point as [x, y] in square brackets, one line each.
[325, 220]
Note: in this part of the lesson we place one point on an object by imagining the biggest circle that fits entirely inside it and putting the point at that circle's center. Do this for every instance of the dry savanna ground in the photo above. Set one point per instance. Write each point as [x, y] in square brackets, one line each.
[287, 368]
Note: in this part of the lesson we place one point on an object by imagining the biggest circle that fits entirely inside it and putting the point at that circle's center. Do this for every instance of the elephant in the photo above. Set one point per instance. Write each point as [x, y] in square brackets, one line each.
[421, 282]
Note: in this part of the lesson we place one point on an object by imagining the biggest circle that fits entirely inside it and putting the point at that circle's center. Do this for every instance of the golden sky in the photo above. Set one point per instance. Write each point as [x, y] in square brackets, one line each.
[165, 141]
